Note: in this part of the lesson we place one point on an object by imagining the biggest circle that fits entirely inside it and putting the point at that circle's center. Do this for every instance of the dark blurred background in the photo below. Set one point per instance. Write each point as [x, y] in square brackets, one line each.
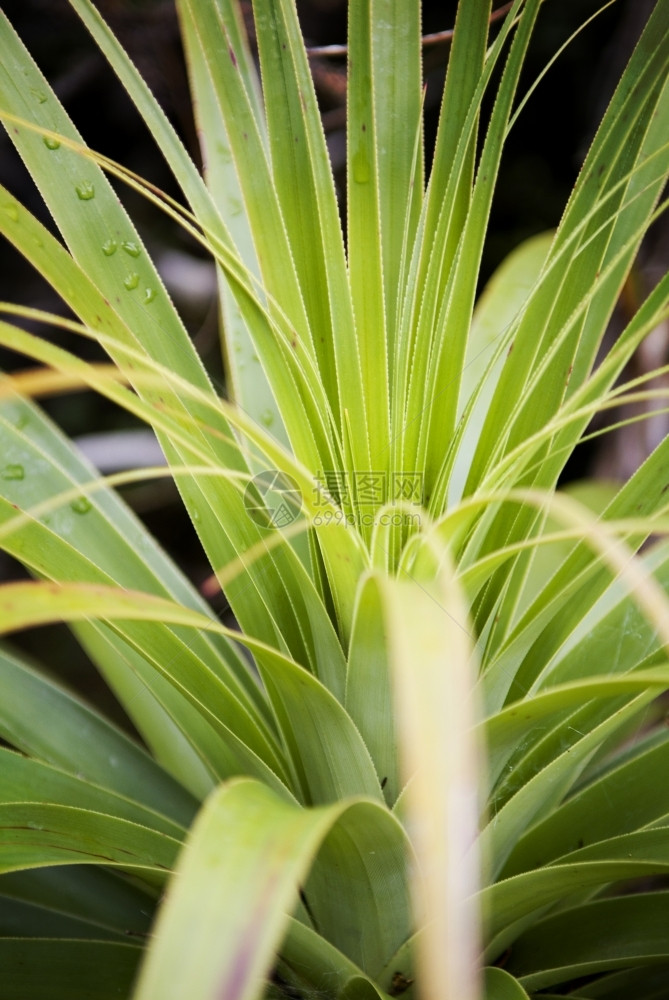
[542, 160]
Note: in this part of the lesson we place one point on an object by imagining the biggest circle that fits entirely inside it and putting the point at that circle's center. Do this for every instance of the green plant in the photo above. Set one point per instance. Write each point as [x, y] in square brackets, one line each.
[446, 755]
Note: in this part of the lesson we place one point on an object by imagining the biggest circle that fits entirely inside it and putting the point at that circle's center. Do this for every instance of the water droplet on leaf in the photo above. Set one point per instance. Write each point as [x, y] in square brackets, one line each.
[39, 95]
[267, 418]
[81, 505]
[131, 280]
[224, 152]
[361, 167]
[109, 247]
[11, 209]
[131, 248]
[85, 191]
[149, 295]
[50, 142]
[13, 471]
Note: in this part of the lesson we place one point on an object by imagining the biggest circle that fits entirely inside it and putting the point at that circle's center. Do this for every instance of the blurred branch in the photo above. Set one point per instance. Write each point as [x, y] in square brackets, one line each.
[437, 38]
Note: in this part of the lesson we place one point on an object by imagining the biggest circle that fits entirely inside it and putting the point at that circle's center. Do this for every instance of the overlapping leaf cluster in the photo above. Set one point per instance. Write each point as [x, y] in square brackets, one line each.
[445, 755]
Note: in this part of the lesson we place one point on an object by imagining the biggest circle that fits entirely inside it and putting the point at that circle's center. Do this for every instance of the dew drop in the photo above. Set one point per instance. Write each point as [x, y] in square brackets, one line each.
[34, 826]
[131, 281]
[85, 191]
[39, 95]
[224, 152]
[11, 209]
[361, 167]
[267, 418]
[13, 471]
[50, 142]
[131, 248]
[81, 505]
[149, 295]
[109, 247]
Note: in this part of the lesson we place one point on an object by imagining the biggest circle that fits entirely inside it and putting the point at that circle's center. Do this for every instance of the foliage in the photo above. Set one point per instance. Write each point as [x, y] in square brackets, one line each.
[432, 745]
